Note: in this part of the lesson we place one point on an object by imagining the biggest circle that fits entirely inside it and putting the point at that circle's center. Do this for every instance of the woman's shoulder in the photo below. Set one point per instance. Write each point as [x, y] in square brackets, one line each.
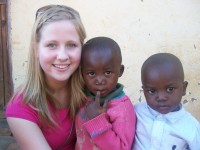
[18, 109]
[16, 102]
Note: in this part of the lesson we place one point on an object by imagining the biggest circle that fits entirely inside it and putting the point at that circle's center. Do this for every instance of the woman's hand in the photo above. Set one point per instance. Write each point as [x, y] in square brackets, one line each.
[93, 108]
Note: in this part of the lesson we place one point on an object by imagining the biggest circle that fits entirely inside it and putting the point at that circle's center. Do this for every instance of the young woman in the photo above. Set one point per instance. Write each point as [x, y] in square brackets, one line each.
[42, 110]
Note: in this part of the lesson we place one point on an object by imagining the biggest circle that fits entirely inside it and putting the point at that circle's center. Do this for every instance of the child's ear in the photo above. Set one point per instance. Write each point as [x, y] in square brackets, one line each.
[185, 84]
[121, 70]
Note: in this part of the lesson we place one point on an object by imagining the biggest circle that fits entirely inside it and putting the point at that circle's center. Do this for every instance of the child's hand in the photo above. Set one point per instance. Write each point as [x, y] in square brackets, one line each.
[93, 109]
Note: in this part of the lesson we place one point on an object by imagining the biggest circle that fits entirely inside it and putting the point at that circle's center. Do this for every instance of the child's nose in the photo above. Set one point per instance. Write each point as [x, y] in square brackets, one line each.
[100, 80]
[161, 96]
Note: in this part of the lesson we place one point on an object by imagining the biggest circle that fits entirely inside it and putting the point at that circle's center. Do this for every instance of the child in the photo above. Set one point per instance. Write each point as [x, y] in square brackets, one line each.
[106, 121]
[162, 122]
[42, 111]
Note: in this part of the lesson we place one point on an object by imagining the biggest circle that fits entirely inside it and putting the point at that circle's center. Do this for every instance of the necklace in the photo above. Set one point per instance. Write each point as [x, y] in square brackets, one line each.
[68, 137]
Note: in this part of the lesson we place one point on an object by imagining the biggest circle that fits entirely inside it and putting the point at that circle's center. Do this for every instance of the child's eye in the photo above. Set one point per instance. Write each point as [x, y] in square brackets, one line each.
[107, 73]
[91, 74]
[151, 91]
[170, 90]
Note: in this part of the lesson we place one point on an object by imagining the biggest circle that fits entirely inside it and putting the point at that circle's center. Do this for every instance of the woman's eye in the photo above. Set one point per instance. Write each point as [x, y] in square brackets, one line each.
[71, 45]
[107, 73]
[91, 74]
[51, 45]
[170, 89]
[151, 91]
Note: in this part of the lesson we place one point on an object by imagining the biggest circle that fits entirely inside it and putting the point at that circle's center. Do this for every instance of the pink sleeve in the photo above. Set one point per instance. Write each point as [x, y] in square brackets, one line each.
[116, 128]
[17, 109]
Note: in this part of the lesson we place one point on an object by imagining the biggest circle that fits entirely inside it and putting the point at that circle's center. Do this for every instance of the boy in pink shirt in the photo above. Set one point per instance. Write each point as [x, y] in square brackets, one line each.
[107, 121]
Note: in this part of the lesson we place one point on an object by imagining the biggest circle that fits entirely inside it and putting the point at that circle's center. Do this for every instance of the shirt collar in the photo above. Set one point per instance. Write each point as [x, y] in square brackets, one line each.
[171, 116]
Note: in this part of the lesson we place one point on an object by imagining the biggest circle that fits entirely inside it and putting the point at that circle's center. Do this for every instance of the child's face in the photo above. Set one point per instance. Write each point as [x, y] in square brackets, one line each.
[163, 88]
[101, 71]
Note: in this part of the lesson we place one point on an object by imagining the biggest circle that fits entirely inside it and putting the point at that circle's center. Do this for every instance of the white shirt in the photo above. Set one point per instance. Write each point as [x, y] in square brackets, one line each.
[177, 130]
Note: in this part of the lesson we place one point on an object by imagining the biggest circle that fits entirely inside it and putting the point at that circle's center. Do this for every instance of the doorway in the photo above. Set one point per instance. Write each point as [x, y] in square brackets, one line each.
[6, 84]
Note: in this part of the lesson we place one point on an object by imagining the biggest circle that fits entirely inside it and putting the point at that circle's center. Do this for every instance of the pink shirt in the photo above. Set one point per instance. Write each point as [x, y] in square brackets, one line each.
[55, 136]
[114, 129]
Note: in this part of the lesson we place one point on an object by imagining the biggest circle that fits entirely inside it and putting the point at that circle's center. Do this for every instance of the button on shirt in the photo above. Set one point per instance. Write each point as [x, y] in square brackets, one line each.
[177, 130]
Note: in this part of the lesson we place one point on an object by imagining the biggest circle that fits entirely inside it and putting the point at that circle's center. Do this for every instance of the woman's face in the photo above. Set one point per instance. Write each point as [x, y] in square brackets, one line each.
[59, 51]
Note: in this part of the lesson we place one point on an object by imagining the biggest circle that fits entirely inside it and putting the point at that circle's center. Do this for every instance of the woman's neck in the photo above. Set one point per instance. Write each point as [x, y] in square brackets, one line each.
[61, 92]
[62, 97]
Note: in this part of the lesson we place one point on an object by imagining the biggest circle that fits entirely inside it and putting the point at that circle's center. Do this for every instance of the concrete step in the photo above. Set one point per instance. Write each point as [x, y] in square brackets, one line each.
[7, 141]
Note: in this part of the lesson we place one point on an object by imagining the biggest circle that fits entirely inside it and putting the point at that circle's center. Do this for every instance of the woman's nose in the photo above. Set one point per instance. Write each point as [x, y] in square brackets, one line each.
[62, 54]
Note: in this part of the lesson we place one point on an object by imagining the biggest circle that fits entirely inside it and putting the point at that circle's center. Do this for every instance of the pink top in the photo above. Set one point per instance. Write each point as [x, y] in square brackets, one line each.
[114, 129]
[56, 136]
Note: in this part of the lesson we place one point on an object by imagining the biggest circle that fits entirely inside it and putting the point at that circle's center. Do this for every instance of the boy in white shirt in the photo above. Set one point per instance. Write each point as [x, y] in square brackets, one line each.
[162, 122]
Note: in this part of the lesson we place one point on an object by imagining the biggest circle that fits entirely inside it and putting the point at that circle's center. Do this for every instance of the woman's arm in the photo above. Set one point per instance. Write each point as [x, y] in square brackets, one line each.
[27, 134]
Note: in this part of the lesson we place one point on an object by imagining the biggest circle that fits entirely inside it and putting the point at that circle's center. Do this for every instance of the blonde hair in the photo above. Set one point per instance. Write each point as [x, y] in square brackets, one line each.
[34, 89]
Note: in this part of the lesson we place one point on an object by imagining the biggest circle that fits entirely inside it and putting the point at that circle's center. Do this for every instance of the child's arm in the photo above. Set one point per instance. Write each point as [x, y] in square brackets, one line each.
[114, 128]
[195, 143]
